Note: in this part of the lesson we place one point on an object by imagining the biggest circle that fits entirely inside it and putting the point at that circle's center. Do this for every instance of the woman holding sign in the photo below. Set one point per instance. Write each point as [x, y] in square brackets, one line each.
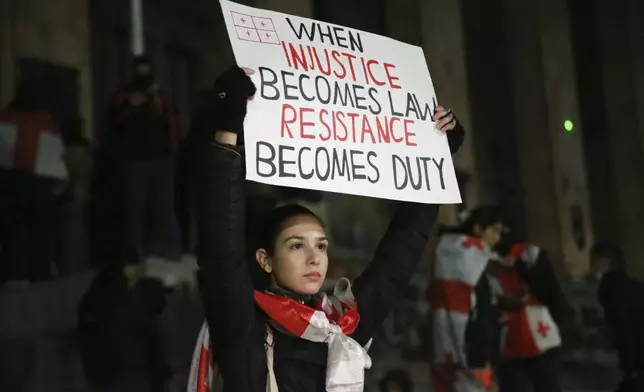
[269, 326]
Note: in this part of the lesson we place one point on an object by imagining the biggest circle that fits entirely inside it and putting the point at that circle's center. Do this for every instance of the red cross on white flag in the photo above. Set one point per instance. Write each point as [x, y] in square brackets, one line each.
[255, 28]
[263, 23]
[544, 330]
[246, 34]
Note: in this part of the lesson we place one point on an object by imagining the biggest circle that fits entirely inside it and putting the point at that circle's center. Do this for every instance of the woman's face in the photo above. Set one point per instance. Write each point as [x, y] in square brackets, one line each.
[300, 259]
[490, 235]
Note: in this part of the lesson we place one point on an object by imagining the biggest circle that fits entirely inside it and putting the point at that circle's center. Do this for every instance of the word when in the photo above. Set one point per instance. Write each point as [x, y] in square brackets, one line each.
[335, 35]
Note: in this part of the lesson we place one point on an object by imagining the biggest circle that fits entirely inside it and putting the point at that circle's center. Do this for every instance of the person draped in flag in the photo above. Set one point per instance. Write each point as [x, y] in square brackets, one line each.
[465, 317]
[534, 308]
[269, 327]
[29, 179]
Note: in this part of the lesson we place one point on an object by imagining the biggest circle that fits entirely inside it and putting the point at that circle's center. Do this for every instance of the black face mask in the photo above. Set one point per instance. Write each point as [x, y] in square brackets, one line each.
[143, 82]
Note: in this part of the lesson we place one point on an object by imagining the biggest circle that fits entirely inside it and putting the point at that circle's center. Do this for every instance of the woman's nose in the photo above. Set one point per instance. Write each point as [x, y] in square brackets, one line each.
[313, 257]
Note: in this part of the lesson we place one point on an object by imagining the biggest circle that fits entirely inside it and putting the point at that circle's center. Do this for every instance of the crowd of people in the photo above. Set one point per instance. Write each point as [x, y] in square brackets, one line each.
[498, 314]
[70, 205]
[113, 200]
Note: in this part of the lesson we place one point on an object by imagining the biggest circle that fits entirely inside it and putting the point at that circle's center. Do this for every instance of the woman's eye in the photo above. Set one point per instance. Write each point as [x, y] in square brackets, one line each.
[297, 246]
[323, 247]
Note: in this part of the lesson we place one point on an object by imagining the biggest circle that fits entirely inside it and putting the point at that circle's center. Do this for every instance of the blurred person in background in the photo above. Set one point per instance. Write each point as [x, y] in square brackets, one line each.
[73, 234]
[119, 336]
[622, 298]
[144, 141]
[465, 317]
[31, 172]
[534, 310]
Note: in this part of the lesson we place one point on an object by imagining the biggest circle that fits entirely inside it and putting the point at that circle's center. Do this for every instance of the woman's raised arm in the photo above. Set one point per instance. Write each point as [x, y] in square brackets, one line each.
[224, 275]
[384, 281]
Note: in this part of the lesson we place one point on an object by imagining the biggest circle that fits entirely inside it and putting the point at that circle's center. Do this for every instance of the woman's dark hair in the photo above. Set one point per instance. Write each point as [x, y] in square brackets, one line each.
[612, 252]
[482, 217]
[264, 223]
[76, 140]
[273, 223]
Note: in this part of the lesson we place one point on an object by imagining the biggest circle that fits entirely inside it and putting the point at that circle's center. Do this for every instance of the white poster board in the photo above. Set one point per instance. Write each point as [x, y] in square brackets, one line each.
[339, 110]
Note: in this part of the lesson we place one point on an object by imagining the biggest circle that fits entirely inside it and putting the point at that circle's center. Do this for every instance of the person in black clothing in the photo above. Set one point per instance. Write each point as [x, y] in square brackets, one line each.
[119, 337]
[28, 196]
[396, 380]
[73, 206]
[145, 140]
[291, 250]
[525, 365]
[622, 298]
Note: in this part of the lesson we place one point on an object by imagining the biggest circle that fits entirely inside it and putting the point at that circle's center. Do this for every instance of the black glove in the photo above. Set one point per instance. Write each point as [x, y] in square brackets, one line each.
[231, 93]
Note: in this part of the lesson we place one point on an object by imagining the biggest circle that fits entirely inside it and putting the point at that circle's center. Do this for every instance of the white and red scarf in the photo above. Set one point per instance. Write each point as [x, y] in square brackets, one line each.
[328, 322]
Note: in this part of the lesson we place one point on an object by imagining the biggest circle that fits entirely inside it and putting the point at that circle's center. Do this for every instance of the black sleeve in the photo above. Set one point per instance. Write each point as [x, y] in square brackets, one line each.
[544, 285]
[224, 276]
[383, 283]
[482, 335]
[455, 138]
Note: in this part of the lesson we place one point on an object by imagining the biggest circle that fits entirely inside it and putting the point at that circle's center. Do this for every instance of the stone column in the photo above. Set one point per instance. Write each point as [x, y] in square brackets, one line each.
[442, 40]
[57, 32]
[619, 84]
[403, 21]
[636, 33]
[551, 160]
[7, 62]
[571, 185]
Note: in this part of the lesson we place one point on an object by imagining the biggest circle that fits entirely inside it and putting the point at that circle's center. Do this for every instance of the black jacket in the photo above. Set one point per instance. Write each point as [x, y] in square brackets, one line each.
[483, 332]
[622, 298]
[118, 332]
[544, 285]
[237, 326]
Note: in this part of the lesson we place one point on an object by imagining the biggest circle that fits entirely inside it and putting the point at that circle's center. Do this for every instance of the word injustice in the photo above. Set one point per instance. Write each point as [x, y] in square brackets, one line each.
[342, 65]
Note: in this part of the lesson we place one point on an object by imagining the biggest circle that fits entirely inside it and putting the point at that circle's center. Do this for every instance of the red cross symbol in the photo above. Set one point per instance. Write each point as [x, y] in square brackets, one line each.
[243, 20]
[543, 329]
[248, 33]
[268, 35]
[472, 241]
[263, 24]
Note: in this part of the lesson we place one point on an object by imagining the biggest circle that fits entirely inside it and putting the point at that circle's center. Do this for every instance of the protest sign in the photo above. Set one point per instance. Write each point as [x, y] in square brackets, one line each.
[339, 110]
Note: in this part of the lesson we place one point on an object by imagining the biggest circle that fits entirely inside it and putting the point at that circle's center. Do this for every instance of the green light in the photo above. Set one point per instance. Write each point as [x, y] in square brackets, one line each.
[568, 126]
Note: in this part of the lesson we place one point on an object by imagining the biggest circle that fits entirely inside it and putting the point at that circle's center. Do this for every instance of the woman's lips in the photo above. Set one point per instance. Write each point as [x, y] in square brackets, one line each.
[314, 276]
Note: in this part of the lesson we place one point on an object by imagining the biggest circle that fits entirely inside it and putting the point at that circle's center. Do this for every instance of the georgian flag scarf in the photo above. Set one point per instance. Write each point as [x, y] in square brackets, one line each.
[330, 322]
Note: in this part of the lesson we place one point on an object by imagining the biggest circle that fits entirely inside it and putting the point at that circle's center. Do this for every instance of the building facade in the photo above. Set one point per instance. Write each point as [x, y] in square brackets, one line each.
[514, 72]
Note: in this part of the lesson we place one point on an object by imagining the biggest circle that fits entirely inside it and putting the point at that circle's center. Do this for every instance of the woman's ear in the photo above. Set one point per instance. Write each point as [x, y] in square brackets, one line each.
[264, 260]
